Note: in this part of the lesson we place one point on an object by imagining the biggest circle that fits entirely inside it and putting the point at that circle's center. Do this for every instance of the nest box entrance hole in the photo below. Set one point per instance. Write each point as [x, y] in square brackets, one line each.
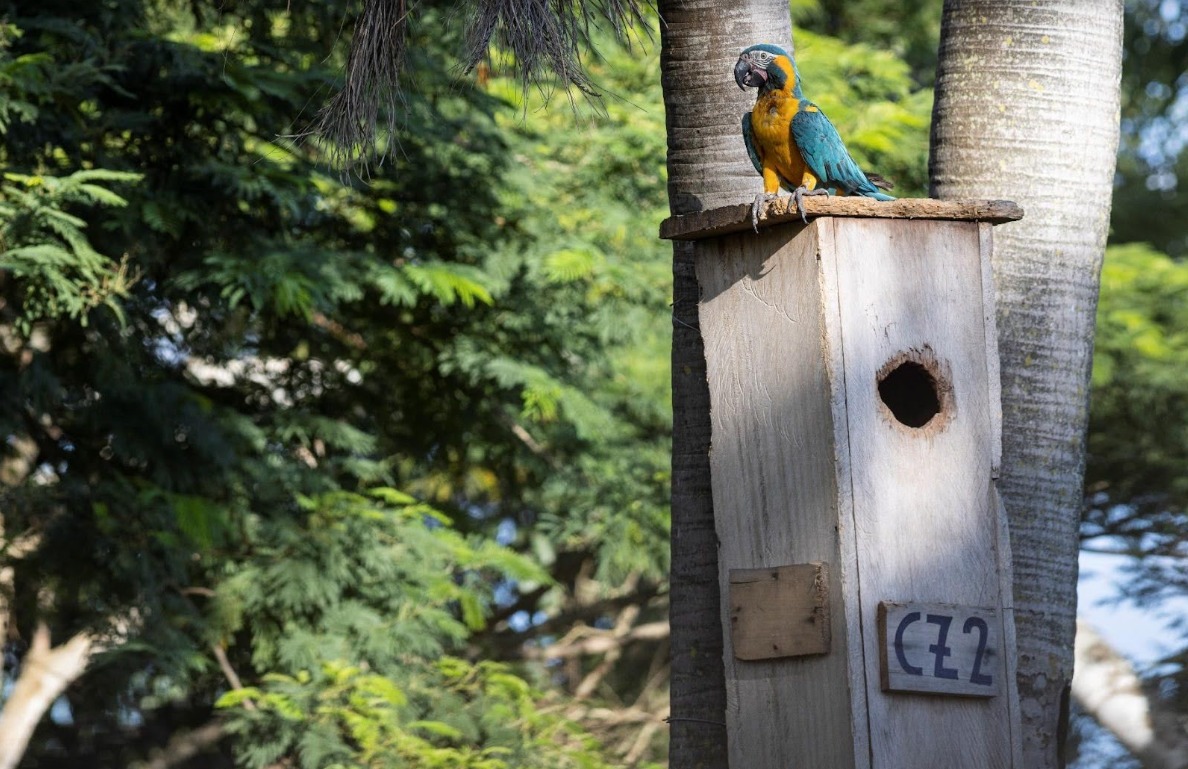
[914, 389]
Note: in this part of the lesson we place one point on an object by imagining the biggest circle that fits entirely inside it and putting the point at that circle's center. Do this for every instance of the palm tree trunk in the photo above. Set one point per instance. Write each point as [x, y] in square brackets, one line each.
[1027, 101]
[707, 167]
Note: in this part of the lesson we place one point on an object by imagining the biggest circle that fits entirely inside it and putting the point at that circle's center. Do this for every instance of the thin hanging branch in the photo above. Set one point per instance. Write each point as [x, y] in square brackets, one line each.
[543, 39]
[372, 88]
[541, 36]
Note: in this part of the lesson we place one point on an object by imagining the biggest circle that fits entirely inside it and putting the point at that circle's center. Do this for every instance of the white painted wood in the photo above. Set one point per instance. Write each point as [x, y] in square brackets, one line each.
[1006, 579]
[809, 464]
[774, 484]
[923, 504]
[993, 368]
[847, 572]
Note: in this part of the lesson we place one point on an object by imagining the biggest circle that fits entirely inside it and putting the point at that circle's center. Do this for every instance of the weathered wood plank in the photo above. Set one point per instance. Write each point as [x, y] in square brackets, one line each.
[737, 218]
[993, 368]
[780, 612]
[847, 533]
[774, 487]
[939, 648]
[1006, 580]
[924, 514]
[819, 339]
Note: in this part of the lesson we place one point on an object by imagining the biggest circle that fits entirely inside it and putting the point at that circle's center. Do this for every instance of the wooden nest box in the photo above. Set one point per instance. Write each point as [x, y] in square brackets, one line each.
[863, 558]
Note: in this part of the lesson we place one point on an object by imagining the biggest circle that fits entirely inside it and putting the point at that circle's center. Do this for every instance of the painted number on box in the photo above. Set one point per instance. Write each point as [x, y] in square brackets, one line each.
[939, 649]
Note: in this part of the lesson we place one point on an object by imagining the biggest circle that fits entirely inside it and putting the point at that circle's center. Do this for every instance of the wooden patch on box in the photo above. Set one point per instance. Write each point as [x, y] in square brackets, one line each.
[781, 611]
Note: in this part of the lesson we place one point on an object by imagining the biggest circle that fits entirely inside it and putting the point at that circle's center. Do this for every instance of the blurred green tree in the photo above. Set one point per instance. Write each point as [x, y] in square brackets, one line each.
[1149, 204]
[1136, 487]
[287, 451]
[210, 337]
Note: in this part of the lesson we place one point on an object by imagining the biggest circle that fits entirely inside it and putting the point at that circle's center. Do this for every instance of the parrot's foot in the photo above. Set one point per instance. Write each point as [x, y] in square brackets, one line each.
[800, 193]
[757, 206]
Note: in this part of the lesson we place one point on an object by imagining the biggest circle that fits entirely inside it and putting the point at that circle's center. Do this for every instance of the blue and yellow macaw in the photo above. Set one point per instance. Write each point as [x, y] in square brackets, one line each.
[789, 139]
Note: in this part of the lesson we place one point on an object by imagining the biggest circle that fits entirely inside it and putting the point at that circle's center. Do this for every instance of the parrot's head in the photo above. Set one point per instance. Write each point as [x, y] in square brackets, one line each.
[767, 67]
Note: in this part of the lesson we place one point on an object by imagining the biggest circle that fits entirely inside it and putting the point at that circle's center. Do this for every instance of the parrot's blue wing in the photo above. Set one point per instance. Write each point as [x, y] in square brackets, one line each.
[826, 156]
[749, 140]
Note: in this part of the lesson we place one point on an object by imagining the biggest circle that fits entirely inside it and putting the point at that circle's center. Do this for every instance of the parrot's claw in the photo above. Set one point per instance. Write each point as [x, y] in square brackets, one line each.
[760, 200]
[798, 196]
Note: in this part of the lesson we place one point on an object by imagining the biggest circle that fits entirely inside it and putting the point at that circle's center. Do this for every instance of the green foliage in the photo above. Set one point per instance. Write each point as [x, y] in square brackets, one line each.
[384, 582]
[1136, 487]
[344, 431]
[1138, 436]
[44, 247]
[1149, 204]
[372, 578]
[448, 714]
[909, 32]
[217, 469]
[588, 186]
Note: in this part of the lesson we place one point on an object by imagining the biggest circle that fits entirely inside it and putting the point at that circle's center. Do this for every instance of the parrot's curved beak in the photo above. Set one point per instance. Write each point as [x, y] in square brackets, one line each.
[748, 75]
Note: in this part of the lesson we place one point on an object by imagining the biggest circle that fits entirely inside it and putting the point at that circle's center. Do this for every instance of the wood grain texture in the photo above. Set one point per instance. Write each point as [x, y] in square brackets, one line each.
[1006, 581]
[780, 612]
[774, 486]
[923, 505]
[993, 368]
[737, 218]
[847, 533]
[810, 464]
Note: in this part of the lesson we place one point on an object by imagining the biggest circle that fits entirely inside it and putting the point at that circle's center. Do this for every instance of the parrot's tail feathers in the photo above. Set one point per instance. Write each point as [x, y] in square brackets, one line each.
[882, 182]
[879, 196]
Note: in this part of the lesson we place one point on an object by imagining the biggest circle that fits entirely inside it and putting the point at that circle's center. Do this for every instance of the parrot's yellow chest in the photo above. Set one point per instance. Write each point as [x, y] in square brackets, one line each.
[771, 122]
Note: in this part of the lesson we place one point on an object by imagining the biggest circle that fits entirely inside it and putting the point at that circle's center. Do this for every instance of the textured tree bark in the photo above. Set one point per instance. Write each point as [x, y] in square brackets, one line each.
[1027, 101]
[1107, 688]
[707, 167]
